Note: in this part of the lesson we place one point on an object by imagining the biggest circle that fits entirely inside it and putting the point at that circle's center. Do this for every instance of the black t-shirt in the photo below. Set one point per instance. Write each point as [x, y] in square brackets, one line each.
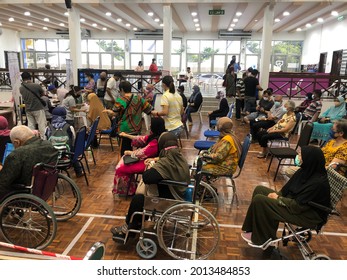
[250, 86]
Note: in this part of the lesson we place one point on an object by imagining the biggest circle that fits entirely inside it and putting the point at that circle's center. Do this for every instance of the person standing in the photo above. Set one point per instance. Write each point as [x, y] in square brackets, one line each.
[139, 68]
[34, 108]
[101, 87]
[112, 92]
[154, 68]
[251, 87]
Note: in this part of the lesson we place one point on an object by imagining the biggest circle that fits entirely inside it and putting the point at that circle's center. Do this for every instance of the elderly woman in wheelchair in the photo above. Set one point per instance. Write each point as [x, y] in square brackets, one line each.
[293, 204]
[185, 230]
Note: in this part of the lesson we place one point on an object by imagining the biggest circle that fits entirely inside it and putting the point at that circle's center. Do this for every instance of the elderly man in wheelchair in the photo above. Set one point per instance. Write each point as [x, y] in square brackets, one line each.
[304, 201]
[25, 218]
[176, 221]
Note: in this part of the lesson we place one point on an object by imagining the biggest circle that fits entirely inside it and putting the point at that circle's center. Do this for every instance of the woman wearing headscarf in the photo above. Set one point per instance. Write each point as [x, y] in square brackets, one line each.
[147, 147]
[194, 103]
[171, 107]
[4, 135]
[97, 109]
[322, 128]
[290, 204]
[223, 109]
[222, 158]
[170, 165]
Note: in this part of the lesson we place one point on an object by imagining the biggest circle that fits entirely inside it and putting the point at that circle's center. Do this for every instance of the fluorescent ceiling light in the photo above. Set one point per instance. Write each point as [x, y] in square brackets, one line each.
[334, 13]
[277, 20]
[108, 14]
[27, 14]
[238, 14]
[286, 13]
[194, 14]
[150, 14]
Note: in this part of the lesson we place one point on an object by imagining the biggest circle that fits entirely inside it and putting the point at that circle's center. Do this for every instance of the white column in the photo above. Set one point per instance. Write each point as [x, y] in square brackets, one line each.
[167, 37]
[266, 45]
[75, 41]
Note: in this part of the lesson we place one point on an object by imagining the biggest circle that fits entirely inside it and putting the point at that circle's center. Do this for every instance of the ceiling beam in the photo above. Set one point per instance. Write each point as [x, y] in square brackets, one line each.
[241, 7]
[146, 8]
[215, 19]
[195, 8]
[259, 15]
[176, 18]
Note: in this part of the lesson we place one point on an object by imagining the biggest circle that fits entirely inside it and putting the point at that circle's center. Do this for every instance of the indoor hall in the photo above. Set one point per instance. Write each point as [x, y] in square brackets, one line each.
[100, 212]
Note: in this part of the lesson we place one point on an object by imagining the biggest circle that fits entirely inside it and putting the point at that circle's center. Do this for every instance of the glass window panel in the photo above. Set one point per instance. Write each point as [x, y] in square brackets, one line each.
[135, 46]
[193, 46]
[53, 60]
[106, 61]
[176, 46]
[253, 47]
[94, 60]
[295, 47]
[134, 60]
[219, 64]
[230, 58]
[147, 60]
[105, 45]
[64, 45]
[84, 47]
[193, 64]
[175, 63]
[160, 62]
[52, 45]
[93, 45]
[149, 46]
[84, 60]
[28, 60]
[159, 48]
[252, 61]
[220, 45]
[120, 44]
[41, 60]
[118, 61]
[40, 45]
[234, 47]
[205, 65]
[27, 44]
[62, 59]
[206, 44]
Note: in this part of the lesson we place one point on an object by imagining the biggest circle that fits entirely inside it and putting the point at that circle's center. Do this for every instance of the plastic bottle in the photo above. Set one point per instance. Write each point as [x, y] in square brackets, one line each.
[188, 195]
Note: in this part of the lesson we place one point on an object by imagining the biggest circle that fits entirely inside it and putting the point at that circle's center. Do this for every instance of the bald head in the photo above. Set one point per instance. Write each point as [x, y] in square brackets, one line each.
[20, 134]
[103, 75]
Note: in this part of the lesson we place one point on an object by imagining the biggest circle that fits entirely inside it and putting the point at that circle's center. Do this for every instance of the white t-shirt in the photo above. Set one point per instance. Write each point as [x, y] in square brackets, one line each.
[113, 85]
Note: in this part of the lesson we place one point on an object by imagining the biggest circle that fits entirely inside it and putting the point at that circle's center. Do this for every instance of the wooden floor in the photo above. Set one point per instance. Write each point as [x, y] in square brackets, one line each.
[99, 212]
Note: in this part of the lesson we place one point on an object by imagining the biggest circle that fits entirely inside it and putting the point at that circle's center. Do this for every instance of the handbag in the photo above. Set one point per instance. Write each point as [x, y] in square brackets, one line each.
[129, 159]
[41, 100]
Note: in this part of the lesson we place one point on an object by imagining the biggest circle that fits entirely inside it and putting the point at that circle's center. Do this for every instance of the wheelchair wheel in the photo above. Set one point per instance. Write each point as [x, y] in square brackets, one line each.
[320, 257]
[27, 221]
[207, 198]
[146, 249]
[184, 233]
[66, 199]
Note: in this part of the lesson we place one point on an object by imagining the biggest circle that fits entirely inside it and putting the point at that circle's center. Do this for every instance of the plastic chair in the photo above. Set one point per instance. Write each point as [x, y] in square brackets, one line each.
[283, 153]
[88, 142]
[78, 153]
[199, 113]
[109, 132]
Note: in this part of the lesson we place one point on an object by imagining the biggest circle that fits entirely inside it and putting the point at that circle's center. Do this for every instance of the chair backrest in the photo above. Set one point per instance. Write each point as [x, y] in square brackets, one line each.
[245, 147]
[305, 136]
[338, 184]
[79, 144]
[92, 132]
[298, 117]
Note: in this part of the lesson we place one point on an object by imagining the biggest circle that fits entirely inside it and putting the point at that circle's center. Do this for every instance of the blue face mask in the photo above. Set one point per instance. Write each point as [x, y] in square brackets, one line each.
[277, 104]
[332, 134]
[297, 161]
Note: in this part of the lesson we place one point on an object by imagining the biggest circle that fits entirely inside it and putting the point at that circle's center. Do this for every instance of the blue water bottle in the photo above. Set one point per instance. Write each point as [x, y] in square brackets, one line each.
[188, 195]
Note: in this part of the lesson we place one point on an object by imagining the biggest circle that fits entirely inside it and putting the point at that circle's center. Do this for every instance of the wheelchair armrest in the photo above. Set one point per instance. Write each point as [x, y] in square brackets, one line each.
[174, 183]
[324, 208]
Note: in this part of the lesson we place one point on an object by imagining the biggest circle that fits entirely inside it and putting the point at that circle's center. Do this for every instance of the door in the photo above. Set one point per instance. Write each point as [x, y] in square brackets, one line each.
[322, 62]
[336, 63]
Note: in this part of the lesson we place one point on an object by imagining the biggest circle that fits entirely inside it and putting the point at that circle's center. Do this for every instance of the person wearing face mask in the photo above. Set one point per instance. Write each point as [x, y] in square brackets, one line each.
[265, 104]
[314, 107]
[335, 150]
[322, 128]
[303, 105]
[101, 87]
[222, 158]
[70, 104]
[291, 204]
[273, 116]
[280, 130]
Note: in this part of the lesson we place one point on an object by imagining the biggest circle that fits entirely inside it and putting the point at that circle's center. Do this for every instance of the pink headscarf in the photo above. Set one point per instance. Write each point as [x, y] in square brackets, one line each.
[4, 131]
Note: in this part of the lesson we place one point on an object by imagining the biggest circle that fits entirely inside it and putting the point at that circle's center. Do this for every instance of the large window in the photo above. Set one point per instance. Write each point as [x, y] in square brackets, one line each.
[100, 54]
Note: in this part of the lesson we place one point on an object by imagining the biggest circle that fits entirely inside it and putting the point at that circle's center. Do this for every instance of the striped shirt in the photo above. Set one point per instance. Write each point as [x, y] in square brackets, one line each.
[315, 106]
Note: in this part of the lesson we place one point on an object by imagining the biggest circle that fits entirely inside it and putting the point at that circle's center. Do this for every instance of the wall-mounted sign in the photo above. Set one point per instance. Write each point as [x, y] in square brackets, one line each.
[216, 12]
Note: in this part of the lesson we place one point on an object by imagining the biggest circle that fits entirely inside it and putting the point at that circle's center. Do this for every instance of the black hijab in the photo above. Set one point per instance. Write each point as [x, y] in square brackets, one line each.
[310, 182]
[157, 128]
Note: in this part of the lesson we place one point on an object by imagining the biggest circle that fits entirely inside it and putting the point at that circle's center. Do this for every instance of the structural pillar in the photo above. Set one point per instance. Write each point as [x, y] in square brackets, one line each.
[167, 36]
[266, 45]
[75, 41]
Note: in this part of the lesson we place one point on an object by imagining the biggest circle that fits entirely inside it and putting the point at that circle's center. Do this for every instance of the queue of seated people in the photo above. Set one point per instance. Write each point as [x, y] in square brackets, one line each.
[158, 156]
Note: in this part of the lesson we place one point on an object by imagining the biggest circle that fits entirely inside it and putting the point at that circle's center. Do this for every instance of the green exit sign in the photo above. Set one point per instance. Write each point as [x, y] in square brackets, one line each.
[216, 12]
[340, 18]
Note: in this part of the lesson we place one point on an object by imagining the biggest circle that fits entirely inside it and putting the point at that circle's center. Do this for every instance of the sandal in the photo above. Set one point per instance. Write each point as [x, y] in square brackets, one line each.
[261, 155]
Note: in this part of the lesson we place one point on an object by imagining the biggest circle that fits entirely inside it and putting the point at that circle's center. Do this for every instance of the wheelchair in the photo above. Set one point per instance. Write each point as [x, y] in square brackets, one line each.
[301, 235]
[29, 214]
[184, 229]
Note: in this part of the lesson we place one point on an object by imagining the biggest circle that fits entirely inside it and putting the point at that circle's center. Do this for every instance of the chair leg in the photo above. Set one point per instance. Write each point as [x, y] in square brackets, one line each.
[278, 167]
[84, 172]
[200, 116]
[235, 197]
[111, 143]
[91, 149]
[270, 163]
[85, 159]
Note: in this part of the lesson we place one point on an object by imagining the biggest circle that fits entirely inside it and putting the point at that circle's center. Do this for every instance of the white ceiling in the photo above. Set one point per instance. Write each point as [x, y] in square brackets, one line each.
[135, 13]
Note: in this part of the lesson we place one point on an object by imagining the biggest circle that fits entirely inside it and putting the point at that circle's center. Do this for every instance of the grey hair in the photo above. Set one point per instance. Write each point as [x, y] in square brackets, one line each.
[21, 132]
[290, 104]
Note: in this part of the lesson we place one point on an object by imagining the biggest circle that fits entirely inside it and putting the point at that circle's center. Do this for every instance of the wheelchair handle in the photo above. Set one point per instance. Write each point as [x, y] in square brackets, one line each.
[324, 208]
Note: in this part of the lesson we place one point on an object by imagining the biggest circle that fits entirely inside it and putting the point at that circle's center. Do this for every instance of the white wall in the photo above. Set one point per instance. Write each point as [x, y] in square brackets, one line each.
[328, 38]
[9, 41]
